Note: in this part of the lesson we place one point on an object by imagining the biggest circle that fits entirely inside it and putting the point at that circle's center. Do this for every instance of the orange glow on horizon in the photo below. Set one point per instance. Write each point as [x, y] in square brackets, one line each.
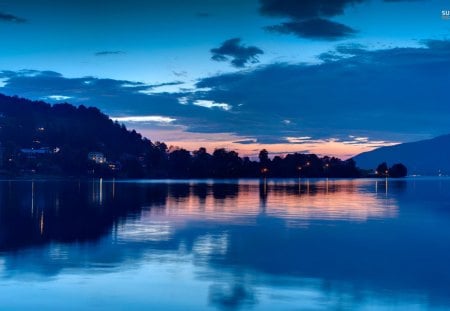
[212, 141]
[298, 203]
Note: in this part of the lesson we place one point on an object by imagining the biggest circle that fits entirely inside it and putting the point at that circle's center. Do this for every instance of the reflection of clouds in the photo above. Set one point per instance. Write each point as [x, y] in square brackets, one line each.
[211, 244]
[59, 252]
[2, 265]
[142, 231]
[333, 200]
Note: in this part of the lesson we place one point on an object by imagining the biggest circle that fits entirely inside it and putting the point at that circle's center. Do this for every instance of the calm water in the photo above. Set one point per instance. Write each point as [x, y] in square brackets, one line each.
[225, 245]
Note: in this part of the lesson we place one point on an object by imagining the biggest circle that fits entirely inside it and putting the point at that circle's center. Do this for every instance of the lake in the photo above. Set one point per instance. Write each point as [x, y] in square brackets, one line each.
[286, 244]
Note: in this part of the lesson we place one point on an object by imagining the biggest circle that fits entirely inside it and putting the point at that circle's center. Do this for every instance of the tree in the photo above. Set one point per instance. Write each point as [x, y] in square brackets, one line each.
[398, 170]
[264, 157]
[382, 170]
[179, 163]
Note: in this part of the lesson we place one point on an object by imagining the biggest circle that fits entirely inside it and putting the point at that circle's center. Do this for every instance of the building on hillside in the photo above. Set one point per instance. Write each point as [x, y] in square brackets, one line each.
[38, 152]
[97, 157]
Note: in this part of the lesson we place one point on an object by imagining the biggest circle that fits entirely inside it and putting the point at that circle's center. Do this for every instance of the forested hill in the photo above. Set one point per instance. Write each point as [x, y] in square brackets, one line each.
[71, 131]
[64, 140]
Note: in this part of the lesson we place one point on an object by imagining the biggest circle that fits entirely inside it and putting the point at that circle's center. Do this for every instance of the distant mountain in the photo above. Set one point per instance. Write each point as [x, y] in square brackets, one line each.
[425, 157]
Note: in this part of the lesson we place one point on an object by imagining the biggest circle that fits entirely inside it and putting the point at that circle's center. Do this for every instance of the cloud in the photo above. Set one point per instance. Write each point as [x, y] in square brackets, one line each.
[108, 94]
[211, 104]
[316, 28]
[5, 17]
[246, 141]
[165, 87]
[240, 54]
[106, 53]
[182, 73]
[390, 94]
[305, 9]
[130, 101]
[56, 97]
[309, 18]
[375, 96]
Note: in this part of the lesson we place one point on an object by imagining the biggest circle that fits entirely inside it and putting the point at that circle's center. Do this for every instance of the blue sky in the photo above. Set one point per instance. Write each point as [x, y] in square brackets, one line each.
[334, 77]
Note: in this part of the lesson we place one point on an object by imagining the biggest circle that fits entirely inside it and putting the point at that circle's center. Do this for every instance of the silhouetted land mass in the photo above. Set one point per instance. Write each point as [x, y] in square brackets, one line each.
[64, 140]
[425, 157]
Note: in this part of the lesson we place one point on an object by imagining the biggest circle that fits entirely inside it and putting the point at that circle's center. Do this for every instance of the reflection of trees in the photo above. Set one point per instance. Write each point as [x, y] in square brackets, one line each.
[201, 191]
[179, 190]
[369, 255]
[225, 190]
[39, 212]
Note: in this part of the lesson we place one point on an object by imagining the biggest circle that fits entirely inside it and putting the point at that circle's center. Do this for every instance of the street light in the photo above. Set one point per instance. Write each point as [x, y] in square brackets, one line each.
[326, 168]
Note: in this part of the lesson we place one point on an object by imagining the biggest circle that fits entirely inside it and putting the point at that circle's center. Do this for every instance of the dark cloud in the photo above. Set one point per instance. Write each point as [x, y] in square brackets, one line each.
[316, 28]
[305, 9]
[106, 53]
[438, 45]
[240, 54]
[391, 93]
[5, 17]
[114, 97]
[151, 86]
[181, 73]
[245, 141]
[309, 18]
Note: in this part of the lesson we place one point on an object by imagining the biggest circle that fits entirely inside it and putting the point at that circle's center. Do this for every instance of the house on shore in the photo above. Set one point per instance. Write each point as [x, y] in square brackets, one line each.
[97, 157]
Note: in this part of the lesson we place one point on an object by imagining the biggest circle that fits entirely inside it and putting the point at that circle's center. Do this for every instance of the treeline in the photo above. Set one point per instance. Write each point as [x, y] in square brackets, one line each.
[180, 163]
[39, 138]
[397, 170]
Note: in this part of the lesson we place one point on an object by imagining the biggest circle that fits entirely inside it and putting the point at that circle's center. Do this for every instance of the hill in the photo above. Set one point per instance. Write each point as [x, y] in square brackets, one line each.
[56, 139]
[426, 157]
[65, 140]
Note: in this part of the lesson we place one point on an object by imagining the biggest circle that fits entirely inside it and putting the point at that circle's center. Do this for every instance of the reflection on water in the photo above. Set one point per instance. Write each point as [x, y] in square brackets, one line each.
[205, 244]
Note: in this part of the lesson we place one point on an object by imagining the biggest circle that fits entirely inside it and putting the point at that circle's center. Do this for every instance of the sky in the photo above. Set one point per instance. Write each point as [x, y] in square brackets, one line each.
[333, 77]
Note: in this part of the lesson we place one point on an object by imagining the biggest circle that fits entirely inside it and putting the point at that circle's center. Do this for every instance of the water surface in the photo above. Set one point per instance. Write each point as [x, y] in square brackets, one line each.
[225, 245]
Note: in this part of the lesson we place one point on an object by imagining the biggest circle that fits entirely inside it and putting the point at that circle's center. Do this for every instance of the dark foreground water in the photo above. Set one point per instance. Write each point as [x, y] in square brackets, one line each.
[225, 245]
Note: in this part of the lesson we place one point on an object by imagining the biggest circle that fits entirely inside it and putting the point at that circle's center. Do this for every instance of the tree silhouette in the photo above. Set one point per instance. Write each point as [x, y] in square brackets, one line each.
[382, 170]
[398, 170]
